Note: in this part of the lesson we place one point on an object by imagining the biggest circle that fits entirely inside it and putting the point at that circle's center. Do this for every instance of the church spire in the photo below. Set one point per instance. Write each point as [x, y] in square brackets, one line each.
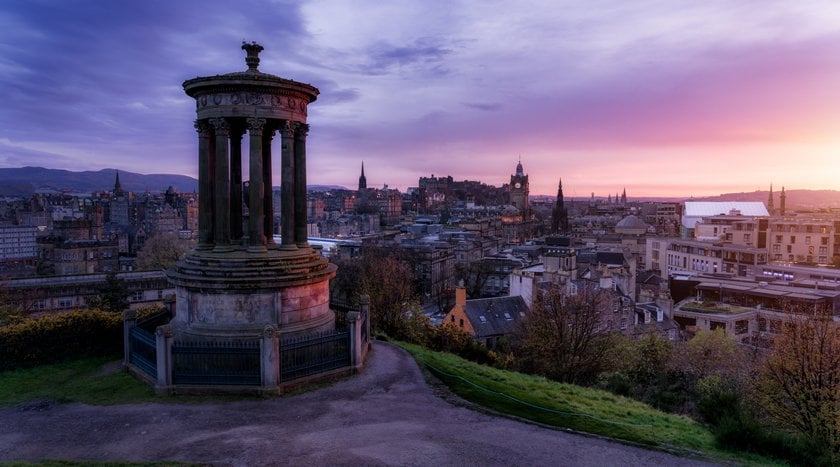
[782, 199]
[117, 187]
[560, 215]
[770, 200]
[362, 179]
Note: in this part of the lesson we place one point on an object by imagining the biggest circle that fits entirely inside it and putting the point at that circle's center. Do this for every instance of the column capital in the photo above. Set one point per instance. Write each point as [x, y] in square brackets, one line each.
[301, 130]
[286, 129]
[203, 128]
[255, 125]
[221, 125]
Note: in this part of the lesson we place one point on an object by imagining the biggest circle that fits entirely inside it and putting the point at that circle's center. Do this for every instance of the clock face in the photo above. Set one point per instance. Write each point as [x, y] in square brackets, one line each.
[517, 185]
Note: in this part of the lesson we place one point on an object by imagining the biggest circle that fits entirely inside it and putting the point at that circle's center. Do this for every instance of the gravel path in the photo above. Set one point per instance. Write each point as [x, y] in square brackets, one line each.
[386, 415]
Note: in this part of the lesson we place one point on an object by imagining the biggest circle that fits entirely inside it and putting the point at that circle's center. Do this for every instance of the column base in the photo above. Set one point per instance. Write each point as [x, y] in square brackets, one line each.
[221, 248]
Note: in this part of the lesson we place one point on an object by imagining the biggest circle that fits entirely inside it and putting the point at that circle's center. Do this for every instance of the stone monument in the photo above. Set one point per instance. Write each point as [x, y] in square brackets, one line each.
[238, 280]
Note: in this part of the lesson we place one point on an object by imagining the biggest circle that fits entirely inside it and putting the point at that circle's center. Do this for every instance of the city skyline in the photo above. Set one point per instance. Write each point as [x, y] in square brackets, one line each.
[674, 99]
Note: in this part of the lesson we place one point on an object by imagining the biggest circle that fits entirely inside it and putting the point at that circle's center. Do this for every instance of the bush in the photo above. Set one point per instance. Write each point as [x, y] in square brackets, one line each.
[717, 400]
[449, 338]
[52, 338]
[616, 382]
[745, 433]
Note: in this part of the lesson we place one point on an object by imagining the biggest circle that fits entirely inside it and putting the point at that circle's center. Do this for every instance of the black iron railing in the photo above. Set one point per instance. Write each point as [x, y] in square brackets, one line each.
[143, 353]
[216, 363]
[310, 354]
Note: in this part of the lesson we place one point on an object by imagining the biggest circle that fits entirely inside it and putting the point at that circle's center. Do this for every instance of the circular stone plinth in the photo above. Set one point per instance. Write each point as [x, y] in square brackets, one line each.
[238, 293]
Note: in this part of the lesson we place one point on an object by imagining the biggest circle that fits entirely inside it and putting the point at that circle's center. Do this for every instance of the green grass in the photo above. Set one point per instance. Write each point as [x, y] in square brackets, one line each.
[717, 308]
[73, 381]
[568, 406]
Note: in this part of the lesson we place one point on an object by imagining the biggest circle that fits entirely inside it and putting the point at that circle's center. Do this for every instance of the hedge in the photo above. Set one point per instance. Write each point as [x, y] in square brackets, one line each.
[52, 338]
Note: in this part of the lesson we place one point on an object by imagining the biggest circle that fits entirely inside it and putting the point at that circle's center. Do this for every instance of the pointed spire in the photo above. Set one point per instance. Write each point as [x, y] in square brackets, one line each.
[782, 199]
[117, 186]
[770, 200]
[362, 178]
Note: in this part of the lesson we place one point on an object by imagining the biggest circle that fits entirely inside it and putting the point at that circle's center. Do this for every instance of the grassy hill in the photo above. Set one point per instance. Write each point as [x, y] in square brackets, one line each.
[567, 406]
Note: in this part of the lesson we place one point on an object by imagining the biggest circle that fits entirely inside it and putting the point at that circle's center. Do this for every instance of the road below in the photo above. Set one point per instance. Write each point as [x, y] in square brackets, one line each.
[386, 415]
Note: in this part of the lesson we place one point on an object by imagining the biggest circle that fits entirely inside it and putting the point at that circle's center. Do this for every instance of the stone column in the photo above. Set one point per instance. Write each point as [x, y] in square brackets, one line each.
[287, 187]
[205, 192]
[301, 130]
[268, 204]
[129, 321]
[163, 349]
[256, 221]
[354, 328]
[221, 214]
[236, 184]
[270, 358]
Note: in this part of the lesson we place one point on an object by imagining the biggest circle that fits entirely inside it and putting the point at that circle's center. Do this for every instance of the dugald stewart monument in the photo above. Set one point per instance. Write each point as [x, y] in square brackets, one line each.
[238, 287]
[238, 280]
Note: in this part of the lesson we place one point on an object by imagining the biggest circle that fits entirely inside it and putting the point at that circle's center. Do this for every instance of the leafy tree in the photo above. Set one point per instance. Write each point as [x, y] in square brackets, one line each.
[564, 337]
[113, 295]
[801, 379]
[161, 251]
[711, 353]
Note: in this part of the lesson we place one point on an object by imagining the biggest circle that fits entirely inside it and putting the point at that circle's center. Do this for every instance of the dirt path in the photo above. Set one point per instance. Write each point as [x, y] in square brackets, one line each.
[386, 415]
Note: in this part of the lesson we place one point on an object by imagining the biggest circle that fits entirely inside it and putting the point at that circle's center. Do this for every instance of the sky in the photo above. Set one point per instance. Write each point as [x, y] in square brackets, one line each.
[661, 97]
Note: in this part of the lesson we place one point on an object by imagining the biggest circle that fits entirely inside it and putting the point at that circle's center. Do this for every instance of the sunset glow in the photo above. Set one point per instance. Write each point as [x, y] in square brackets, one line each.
[664, 99]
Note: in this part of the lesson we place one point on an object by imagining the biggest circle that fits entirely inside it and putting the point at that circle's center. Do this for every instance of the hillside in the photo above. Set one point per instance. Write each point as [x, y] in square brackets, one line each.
[796, 199]
[25, 181]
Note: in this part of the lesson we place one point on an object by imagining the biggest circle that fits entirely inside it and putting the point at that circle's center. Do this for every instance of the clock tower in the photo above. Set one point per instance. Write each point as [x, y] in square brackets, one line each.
[519, 189]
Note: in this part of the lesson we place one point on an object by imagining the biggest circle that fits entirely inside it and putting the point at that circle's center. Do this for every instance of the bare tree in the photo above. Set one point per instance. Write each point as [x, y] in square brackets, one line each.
[160, 252]
[474, 275]
[802, 377]
[565, 338]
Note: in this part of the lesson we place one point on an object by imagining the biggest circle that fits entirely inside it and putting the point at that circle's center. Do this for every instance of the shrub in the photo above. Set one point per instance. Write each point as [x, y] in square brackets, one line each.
[744, 433]
[53, 338]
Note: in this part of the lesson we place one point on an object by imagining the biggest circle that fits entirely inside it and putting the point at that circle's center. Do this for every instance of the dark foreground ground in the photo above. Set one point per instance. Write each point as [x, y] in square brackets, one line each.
[386, 415]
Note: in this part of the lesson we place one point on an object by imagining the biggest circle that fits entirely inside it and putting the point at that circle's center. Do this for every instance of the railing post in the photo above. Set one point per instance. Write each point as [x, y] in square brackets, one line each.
[169, 303]
[364, 309]
[354, 329]
[163, 349]
[269, 358]
[129, 321]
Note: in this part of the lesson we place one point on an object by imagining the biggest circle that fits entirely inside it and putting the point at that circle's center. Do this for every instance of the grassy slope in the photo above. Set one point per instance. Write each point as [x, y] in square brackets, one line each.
[73, 381]
[563, 405]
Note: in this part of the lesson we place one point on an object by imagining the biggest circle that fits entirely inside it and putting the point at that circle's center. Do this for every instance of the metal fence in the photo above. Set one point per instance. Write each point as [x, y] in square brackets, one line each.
[315, 353]
[216, 363]
[142, 351]
[152, 321]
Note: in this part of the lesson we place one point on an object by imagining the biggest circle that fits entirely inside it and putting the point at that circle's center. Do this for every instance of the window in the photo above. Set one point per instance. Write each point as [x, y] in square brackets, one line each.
[747, 238]
[137, 296]
[461, 322]
[793, 239]
[779, 239]
[808, 240]
[65, 302]
[776, 248]
[823, 240]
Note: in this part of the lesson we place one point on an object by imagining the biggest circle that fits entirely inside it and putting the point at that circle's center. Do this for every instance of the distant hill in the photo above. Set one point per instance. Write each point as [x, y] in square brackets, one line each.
[26, 181]
[795, 199]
